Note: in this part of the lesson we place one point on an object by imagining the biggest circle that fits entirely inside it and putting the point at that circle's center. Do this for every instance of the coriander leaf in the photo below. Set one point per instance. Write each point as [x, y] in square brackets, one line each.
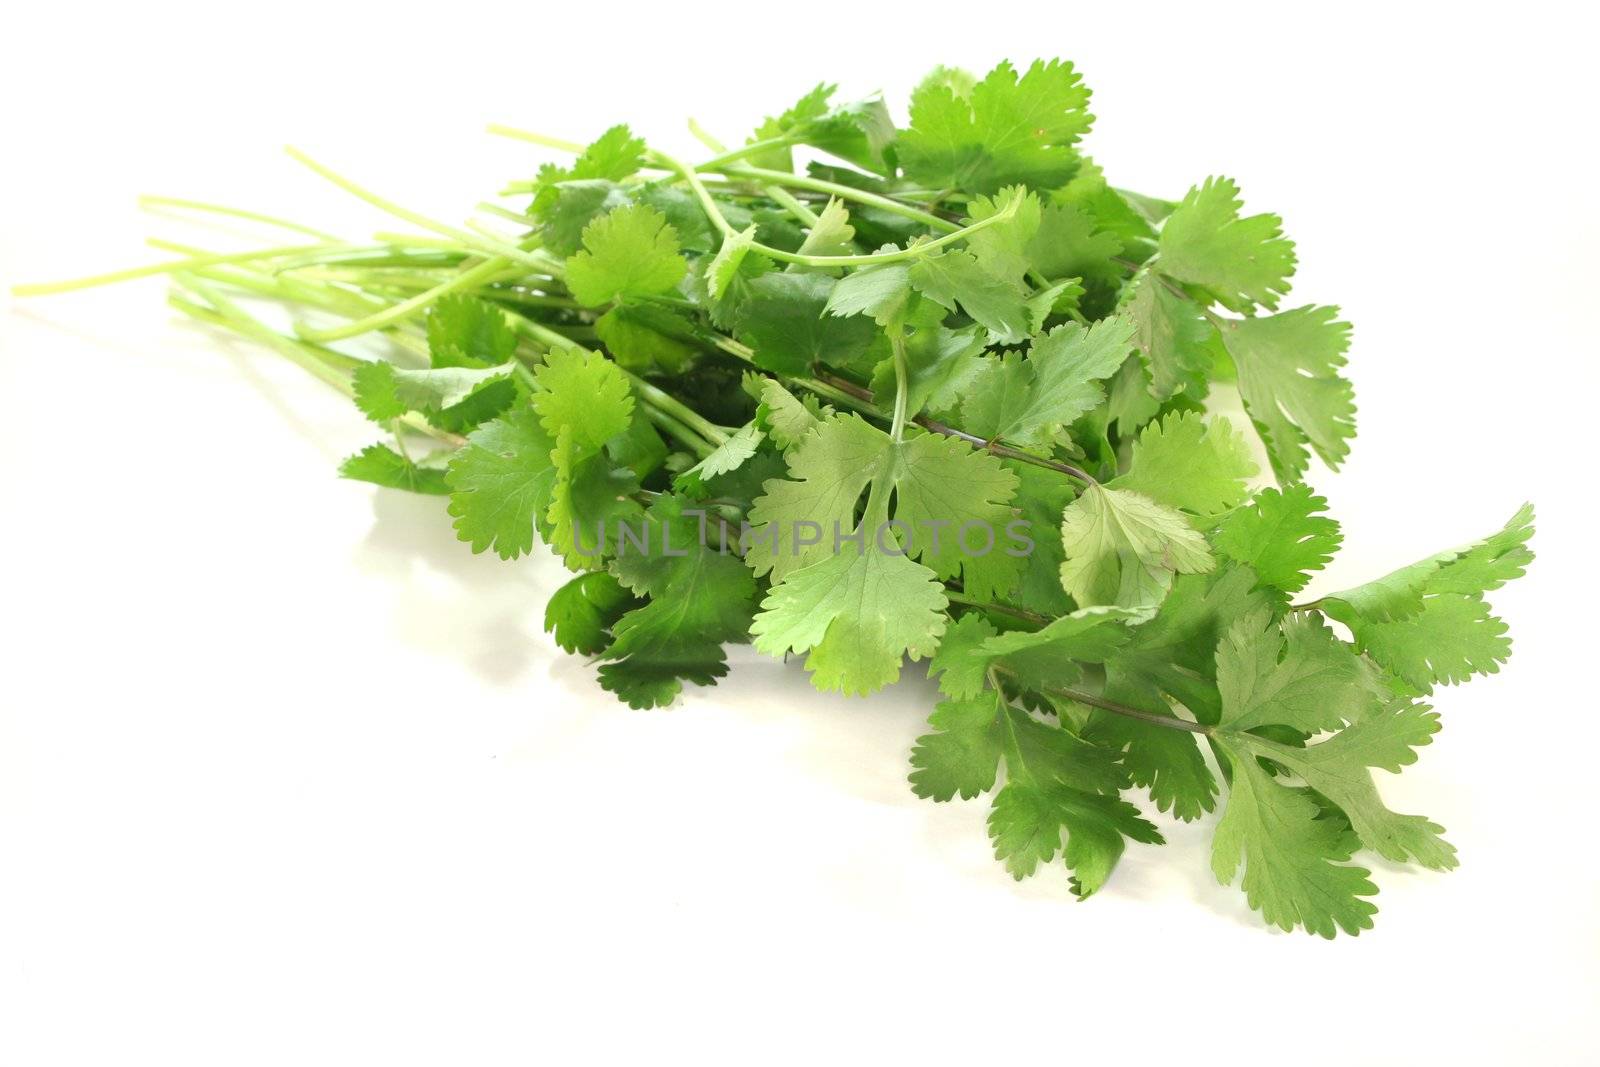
[1477, 568]
[962, 755]
[589, 502]
[857, 613]
[1123, 549]
[1003, 248]
[1240, 262]
[880, 292]
[1295, 673]
[1288, 367]
[728, 456]
[572, 206]
[1025, 400]
[1281, 535]
[632, 251]
[940, 366]
[699, 599]
[832, 234]
[1339, 769]
[382, 465]
[725, 264]
[385, 392]
[585, 393]
[1294, 869]
[782, 319]
[961, 661]
[1049, 657]
[1002, 131]
[943, 491]
[1451, 639]
[1171, 334]
[464, 331]
[1185, 462]
[581, 613]
[789, 419]
[1069, 243]
[955, 278]
[647, 337]
[501, 483]
[614, 155]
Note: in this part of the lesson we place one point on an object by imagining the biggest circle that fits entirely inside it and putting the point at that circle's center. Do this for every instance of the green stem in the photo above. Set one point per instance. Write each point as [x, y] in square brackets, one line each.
[465, 237]
[1113, 706]
[915, 251]
[677, 409]
[846, 192]
[148, 201]
[955, 596]
[405, 308]
[45, 288]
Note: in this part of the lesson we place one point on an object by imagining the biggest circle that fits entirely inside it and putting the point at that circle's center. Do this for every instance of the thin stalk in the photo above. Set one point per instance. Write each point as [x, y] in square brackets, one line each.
[955, 596]
[846, 192]
[405, 308]
[679, 410]
[685, 436]
[1113, 706]
[916, 251]
[466, 237]
[147, 201]
[334, 368]
[170, 267]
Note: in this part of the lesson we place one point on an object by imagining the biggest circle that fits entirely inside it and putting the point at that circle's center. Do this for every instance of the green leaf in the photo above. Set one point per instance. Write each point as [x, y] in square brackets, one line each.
[725, 265]
[961, 660]
[1288, 366]
[590, 500]
[632, 251]
[1171, 333]
[789, 419]
[782, 320]
[382, 465]
[501, 483]
[951, 505]
[858, 614]
[1239, 262]
[955, 278]
[647, 337]
[1295, 673]
[464, 331]
[614, 155]
[1281, 535]
[1005, 130]
[700, 598]
[585, 393]
[1339, 769]
[1024, 401]
[832, 235]
[1451, 639]
[880, 292]
[1185, 462]
[962, 755]
[581, 613]
[1293, 859]
[1123, 549]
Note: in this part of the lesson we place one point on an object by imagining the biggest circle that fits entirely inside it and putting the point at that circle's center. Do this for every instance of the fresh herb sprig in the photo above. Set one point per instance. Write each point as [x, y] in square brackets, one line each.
[954, 325]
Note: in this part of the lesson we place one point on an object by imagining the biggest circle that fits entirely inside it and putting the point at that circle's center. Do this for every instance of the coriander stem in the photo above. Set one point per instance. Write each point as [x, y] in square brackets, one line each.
[405, 308]
[148, 201]
[1168, 721]
[466, 237]
[678, 431]
[45, 288]
[843, 192]
[957, 597]
[900, 255]
[677, 409]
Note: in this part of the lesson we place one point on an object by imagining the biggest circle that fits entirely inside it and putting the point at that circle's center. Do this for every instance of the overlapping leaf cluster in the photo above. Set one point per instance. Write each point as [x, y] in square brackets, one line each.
[847, 326]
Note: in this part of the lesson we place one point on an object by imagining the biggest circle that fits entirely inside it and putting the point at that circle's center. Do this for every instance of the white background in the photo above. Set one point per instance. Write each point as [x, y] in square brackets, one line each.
[288, 776]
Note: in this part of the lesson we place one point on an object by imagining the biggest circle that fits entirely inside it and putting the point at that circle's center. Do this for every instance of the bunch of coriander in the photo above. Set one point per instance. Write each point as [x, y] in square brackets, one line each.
[940, 393]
